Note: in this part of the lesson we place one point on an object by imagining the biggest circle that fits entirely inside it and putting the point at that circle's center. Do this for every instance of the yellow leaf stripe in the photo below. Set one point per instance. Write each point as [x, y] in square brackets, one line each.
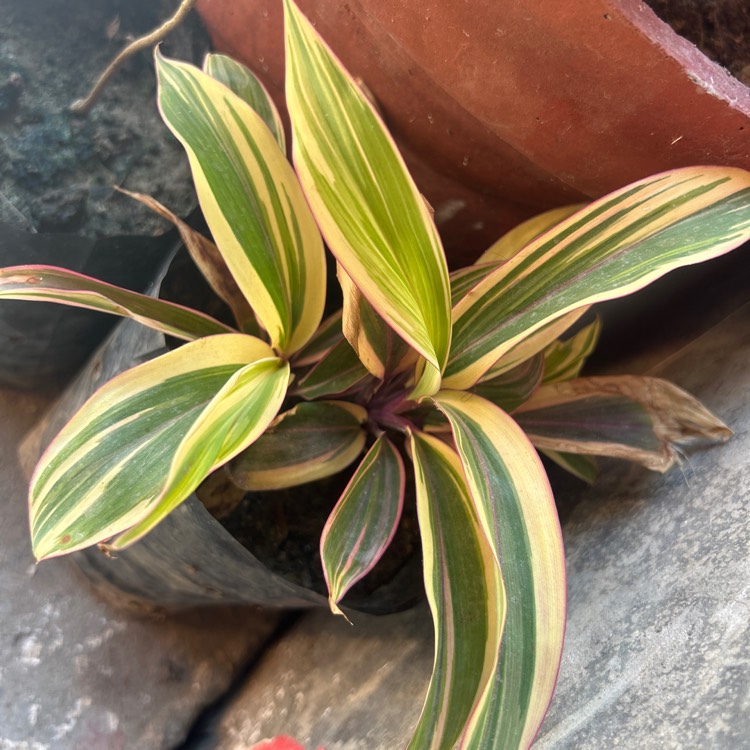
[247, 86]
[251, 200]
[514, 503]
[234, 418]
[367, 206]
[106, 467]
[51, 284]
[464, 590]
[613, 247]
[365, 518]
[309, 442]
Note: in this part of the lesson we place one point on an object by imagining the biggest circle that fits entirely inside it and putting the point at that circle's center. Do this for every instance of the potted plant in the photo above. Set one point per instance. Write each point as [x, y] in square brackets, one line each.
[412, 380]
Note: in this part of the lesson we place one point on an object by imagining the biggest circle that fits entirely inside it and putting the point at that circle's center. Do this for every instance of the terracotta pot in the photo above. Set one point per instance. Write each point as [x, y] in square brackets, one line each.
[507, 108]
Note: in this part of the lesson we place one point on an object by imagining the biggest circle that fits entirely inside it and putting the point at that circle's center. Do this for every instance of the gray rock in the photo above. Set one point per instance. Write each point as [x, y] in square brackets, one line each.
[59, 169]
[657, 653]
[658, 639]
[333, 685]
[77, 673]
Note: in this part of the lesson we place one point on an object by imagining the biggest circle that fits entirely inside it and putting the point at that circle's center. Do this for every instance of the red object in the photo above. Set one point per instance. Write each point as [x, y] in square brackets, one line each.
[279, 743]
[504, 109]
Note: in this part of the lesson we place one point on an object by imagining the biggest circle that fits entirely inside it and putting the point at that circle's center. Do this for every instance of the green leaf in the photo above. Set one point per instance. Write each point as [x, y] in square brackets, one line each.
[564, 359]
[310, 441]
[512, 242]
[237, 415]
[613, 247]
[207, 258]
[585, 468]
[636, 418]
[512, 388]
[367, 206]
[336, 373]
[534, 344]
[365, 518]
[252, 202]
[464, 590]
[380, 349]
[517, 512]
[327, 335]
[247, 86]
[108, 466]
[50, 284]
[464, 279]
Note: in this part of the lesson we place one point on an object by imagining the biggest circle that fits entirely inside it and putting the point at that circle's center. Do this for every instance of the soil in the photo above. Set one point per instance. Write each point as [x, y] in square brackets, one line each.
[719, 28]
[59, 169]
[283, 528]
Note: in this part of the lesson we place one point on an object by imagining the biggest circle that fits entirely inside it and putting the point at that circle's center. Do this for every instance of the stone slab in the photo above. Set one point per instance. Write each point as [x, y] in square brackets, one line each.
[657, 652]
[79, 674]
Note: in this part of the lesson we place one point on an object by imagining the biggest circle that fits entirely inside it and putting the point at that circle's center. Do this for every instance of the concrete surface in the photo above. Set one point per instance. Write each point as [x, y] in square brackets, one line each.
[77, 673]
[658, 640]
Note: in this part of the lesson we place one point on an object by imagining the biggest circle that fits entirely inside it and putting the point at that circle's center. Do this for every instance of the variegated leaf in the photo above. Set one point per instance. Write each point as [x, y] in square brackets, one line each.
[327, 335]
[637, 418]
[464, 590]
[368, 207]
[104, 470]
[236, 416]
[365, 518]
[380, 349]
[251, 200]
[585, 468]
[464, 279]
[564, 359]
[310, 441]
[532, 345]
[207, 257]
[512, 242]
[246, 85]
[336, 373]
[50, 284]
[611, 248]
[517, 512]
[512, 388]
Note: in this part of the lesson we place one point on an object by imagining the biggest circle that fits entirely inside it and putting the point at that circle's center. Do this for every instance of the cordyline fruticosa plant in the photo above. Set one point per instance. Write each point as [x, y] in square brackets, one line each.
[419, 365]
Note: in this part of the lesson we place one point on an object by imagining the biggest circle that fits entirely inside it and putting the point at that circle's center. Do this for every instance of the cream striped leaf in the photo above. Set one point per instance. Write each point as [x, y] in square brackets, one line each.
[246, 85]
[367, 206]
[640, 419]
[234, 418]
[533, 344]
[108, 465]
[464, 590]
[338, 372]
[252, 202]
[586, 468]
[517, 238]
[51, 284]
[380, 349]
[513, 387]
[365, 518]
[517, 512]
[564, 359]
[464, 279]
[309, 442]
[613, 247]
[327, 335]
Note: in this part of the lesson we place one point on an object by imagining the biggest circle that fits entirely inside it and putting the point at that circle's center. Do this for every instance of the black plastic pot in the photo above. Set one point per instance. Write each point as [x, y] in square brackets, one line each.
[43, 344]
[190, 559]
